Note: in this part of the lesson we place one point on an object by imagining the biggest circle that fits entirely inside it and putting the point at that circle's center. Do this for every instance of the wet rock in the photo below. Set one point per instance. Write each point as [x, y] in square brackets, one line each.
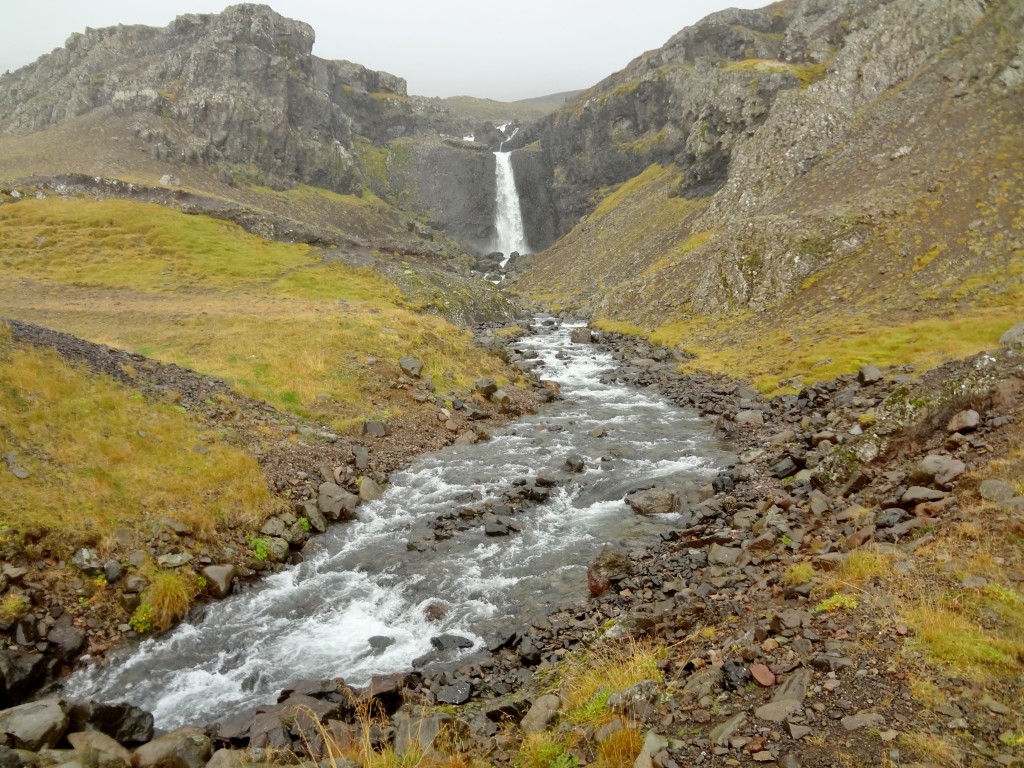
[965, 421]
[581, 336]
[125, 723]
[183, 748]
[458, 693]
[598, 432]
[20, 674]
[335, 502]
[219, 579]
[574, 463]
[35, 725]
[609, 566]
[784, 468]
[64, 638]
[369, 490]
[411, 366]
[450, 642]
[544, 710]
[380, 643]
[653, 501]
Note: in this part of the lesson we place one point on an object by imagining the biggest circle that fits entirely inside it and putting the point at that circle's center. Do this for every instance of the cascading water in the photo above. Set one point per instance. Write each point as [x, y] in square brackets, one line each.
[508, 214]
[358, 581]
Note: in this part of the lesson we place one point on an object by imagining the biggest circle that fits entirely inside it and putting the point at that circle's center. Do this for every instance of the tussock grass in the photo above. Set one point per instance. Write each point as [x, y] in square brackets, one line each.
[798, 574]
[272, 319]
[806, 74]
[100, 457]
[166, 600]
[933, 748]
[586, 679]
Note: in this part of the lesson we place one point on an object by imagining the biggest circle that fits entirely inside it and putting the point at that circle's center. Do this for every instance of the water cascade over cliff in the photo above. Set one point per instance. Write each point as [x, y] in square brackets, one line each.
[508, 215]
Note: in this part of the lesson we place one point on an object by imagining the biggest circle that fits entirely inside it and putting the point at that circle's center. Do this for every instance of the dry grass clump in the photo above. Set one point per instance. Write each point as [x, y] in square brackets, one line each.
[99, 456]
[586, 679]
[165, 601]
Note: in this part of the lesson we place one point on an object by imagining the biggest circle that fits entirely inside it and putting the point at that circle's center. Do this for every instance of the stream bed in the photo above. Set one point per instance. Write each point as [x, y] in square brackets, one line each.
[361, 580]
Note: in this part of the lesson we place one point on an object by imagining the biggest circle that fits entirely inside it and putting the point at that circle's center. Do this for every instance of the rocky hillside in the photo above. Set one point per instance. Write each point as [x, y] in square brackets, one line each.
[802, 173]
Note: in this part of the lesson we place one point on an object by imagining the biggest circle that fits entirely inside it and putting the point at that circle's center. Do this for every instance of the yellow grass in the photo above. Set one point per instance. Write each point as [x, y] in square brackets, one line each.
[586, 679]
[100, 457]
[272, 319]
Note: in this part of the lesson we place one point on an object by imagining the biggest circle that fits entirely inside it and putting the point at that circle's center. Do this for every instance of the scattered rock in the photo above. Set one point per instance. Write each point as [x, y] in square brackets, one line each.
[183, 748]
[219, 579]
[35, 725]
[610, 565]
[544, 710]
[965, 421]
[411, 366]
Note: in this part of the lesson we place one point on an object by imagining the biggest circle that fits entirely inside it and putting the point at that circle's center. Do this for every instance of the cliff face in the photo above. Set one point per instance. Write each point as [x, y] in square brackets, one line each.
[729, 170]
[237, 88]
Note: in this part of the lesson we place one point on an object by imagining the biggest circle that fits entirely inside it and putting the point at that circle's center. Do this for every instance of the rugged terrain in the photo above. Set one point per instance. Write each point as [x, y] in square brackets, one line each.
[255, 270]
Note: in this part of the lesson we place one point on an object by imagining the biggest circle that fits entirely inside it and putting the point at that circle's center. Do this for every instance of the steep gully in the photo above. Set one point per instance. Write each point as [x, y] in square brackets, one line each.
[370, 596]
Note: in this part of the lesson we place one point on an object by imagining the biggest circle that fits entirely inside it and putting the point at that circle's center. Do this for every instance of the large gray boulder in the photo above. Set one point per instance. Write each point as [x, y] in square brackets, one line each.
[336, 503]
[653, 501]
[35, 725]
[183, 748]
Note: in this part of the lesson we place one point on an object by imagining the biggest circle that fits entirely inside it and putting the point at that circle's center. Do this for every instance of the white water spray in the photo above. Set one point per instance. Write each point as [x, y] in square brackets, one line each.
[508, 215]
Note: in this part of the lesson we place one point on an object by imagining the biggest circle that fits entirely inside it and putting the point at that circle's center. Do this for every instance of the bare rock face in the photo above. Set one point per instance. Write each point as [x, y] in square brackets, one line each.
[236, 88]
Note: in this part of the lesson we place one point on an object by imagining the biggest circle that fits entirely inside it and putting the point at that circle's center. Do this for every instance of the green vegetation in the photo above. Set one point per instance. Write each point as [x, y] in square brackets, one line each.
[113, 458]
[260, 547]
[806, 74]
[275, 320]
[837, 602]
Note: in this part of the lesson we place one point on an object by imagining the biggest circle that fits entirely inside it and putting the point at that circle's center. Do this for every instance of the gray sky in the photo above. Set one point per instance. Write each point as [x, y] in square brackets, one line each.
[500, 50]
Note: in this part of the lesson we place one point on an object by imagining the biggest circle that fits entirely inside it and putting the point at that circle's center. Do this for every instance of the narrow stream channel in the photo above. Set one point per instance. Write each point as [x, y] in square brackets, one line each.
[360, 581]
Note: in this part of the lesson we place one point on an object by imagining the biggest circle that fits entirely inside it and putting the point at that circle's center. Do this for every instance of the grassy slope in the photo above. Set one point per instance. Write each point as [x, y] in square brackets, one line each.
[914, 260]
[273, 319]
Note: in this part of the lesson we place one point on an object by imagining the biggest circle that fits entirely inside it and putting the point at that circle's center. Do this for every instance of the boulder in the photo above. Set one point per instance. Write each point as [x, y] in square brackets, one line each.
[20, 675]
[965, 421]
[335, 503]
[125, 723]
[369, 490]
[458, 693]
[35, 725]
[996, 490]
[544, 710]
[574, 463]
[183, 748]
[411, 366]
[610, 565]
[749, 419]
[581, 336]
[486, 386]
[374, 429]
[427, 737]
[869, 374]
[653, 501]
[219, 579]
[502, 398]
[1014, 337]
[88, 562]
[84, 741]
[938, 469]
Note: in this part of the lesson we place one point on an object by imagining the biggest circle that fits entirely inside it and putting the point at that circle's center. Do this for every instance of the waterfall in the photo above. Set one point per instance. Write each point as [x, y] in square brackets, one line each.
[508, 216]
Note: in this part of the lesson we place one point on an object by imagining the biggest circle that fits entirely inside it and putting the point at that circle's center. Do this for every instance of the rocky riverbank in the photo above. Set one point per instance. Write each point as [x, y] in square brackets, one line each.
[76, 604]
[779, 602]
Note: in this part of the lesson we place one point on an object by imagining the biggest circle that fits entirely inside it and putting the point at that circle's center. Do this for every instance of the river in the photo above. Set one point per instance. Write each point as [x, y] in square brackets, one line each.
[360, 580]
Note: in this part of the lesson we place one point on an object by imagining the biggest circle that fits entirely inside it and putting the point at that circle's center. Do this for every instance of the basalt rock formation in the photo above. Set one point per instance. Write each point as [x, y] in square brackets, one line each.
[758, 148]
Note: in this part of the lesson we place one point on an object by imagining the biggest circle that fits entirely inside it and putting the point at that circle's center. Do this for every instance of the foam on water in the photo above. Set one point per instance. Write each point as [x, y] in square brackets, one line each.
[360, 580]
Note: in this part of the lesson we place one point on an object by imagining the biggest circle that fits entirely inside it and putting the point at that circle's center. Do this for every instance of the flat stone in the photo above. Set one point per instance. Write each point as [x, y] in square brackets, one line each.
[863, 720]
[996, 490]
[719, 555]
[411, 366]
[937, 468]
[722, 732]
[777, 711]
[965, 421]
[764, 676]
[869, 374]
[798, 731]
[918, 494]
[455, 694]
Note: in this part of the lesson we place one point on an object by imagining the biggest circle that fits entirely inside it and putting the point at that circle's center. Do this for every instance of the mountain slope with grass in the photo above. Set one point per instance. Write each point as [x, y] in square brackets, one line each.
[871, 214]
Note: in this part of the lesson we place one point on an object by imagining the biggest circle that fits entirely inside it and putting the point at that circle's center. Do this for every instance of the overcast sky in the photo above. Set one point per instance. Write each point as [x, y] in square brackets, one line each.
[500, 50]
